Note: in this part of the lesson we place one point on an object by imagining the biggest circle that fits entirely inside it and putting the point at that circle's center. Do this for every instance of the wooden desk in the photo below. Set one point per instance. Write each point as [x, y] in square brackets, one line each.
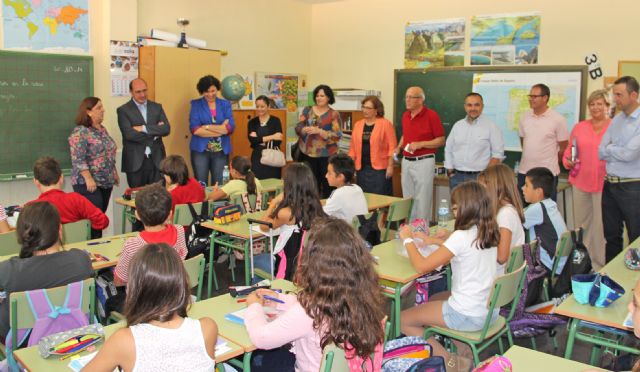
[30, 359]
[217, 307]
[238, 229]
[110, 250]
[611, 316]
[527, 360]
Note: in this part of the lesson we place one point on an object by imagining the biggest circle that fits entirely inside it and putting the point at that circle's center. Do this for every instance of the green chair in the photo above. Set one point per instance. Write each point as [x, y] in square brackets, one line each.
[399, 212]
[564, 247]
[516, 259]
[506, 290]
[78, 231]
[182, 214]
[9, 243]
[20, 315]
[355, 222]
[334, 358]
[195, 270]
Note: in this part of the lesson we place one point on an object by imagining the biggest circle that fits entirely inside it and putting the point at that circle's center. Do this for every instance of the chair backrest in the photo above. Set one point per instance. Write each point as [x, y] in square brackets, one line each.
[195, 269]
[355, 222]
[78, 231]
[564, 247]
[237, 199]
[182, 214]
[516, 259]
[9, 243]
[399, 212]
[21, 317]
[334, 359]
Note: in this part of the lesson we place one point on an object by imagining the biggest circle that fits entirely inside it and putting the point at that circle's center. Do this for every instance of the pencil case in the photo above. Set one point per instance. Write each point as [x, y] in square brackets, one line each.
[71, 341]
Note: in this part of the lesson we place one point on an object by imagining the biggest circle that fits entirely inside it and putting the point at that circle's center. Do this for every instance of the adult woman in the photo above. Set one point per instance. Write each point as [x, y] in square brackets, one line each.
[42, 263]
[373, 142]
[211, 123]
[264, 129]
[587, 174]
[339, 302]
[319, 131]
[93, 155]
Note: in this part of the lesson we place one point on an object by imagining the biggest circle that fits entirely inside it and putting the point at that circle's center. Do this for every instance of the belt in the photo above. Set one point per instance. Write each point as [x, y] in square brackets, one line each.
[466, 172]
[419, 157]
[616, 179]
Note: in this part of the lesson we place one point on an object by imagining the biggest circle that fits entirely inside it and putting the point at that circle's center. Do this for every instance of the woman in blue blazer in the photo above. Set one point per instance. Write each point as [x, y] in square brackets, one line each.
[211, 123]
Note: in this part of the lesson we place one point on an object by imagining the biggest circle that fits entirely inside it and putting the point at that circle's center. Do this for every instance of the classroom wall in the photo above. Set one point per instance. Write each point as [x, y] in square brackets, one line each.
[358, 43]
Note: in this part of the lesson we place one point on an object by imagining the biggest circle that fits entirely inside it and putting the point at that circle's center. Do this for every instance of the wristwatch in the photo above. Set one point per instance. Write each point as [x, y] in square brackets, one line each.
[407, 241]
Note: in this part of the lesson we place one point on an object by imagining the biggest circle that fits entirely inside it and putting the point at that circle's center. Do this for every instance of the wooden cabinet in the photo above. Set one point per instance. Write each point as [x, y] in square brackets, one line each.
[240, 137]
[171, 75]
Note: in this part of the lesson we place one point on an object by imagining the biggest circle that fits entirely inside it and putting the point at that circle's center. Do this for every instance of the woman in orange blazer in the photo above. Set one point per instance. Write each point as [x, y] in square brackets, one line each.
[373, 141]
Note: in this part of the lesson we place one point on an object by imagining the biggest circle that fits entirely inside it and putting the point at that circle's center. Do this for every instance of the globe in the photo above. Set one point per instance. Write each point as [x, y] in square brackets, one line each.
[233, 87]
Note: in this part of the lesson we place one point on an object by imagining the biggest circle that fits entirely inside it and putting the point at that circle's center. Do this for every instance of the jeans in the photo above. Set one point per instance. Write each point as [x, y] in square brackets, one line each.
[521, 181]
[207, 162]
[458, 178]
[620, 204]
[373, 180]
[100, 198]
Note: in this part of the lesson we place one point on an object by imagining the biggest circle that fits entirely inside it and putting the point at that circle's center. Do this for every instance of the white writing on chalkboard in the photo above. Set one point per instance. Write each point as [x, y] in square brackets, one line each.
[22, 83]
[68, 69]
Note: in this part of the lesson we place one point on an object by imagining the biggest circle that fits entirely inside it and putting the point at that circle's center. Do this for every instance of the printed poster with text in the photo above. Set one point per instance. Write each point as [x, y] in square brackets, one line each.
[124, 66]
[505, 39]
[434, 43]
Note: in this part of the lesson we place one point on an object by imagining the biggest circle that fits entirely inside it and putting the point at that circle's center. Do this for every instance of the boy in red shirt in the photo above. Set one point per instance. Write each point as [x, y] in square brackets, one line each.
[73, 207]
[153, 208]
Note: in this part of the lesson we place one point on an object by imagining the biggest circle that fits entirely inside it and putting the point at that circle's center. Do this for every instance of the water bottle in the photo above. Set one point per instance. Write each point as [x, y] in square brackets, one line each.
[516, 167]
[225, 175]
[443, 213]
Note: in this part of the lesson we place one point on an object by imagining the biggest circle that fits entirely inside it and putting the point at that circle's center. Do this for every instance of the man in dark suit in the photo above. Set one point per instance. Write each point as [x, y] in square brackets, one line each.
[143, 123]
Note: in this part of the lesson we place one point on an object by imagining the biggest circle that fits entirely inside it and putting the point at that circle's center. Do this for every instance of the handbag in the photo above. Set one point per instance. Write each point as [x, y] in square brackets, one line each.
[272, 156]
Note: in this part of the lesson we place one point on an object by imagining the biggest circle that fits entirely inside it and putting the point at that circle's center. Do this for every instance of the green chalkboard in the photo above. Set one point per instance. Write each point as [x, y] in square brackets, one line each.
[39, 98]
[446, 88]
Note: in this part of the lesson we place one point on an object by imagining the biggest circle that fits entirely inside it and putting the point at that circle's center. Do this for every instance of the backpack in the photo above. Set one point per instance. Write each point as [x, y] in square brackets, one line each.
[525, 324]
[49, 319]
[578, 262]
[286, 261]
[105, 290]
[198, 237]
[247, 204]
[410, 354]
[369, 230]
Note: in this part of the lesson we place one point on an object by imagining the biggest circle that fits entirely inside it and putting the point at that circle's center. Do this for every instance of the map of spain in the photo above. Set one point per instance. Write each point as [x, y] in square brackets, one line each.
[46, 24]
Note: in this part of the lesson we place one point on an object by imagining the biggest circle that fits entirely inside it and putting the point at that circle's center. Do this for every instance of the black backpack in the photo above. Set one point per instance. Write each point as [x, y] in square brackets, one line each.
[578, 262]
[369, 230]
[198, 237]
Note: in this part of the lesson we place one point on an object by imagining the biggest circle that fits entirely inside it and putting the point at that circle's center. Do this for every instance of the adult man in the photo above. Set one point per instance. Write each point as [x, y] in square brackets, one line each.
[473, 144]
[620, 148]
[143, 123]
[543, 135]
[422, 134]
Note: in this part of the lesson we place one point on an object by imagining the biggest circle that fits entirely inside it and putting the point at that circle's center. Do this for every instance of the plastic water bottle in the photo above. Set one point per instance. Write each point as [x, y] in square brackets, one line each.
[225, 175]
[443, 213]
[516, 167]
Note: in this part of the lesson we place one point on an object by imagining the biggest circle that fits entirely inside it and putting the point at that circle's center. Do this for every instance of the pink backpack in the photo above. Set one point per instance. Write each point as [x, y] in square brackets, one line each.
[497, 363]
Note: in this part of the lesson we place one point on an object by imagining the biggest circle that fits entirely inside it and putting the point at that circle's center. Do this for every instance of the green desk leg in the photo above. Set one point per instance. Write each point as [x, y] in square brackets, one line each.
[246, 362]
[571, 337]
[124, 218]
[211, 276]
[247, 264]
[397, 304]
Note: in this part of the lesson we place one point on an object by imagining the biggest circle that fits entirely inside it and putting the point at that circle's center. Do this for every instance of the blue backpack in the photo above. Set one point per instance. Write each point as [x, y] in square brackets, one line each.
[49, 319]
[410, 354]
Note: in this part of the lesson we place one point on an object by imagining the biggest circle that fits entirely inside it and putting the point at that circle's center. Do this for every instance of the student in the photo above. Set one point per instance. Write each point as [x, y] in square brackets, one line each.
[47, 176]
[4, 225]
[293, 212]
[153, 208]
[42, 262]
[471, 250]
[542, 218]
[183, 189]
[159, 335]
[242, 180]
[347, 200]
[501, 184]
[349, 315]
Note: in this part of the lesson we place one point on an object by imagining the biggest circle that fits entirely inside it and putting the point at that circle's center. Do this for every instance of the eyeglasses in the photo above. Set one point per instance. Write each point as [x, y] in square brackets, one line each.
[535, 95]
[412, 97]
[368, 108]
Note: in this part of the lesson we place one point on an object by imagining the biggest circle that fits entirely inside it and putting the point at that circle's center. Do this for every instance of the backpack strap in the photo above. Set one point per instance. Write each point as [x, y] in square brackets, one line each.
[41, 306]
[258, 207]
[194, 215]
[245, 202]
[75, 291]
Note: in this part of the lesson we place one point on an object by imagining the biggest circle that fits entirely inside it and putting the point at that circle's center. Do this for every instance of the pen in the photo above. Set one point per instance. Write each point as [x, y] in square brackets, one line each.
[273, 299]
[102, 242]
[242, 300]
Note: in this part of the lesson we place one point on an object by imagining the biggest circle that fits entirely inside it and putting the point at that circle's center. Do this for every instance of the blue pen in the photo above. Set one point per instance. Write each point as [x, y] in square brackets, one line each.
[273, 299]
[102, 242]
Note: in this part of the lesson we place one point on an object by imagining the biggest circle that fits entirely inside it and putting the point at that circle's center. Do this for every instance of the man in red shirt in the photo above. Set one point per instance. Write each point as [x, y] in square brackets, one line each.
[422, 135]
[47, 176]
